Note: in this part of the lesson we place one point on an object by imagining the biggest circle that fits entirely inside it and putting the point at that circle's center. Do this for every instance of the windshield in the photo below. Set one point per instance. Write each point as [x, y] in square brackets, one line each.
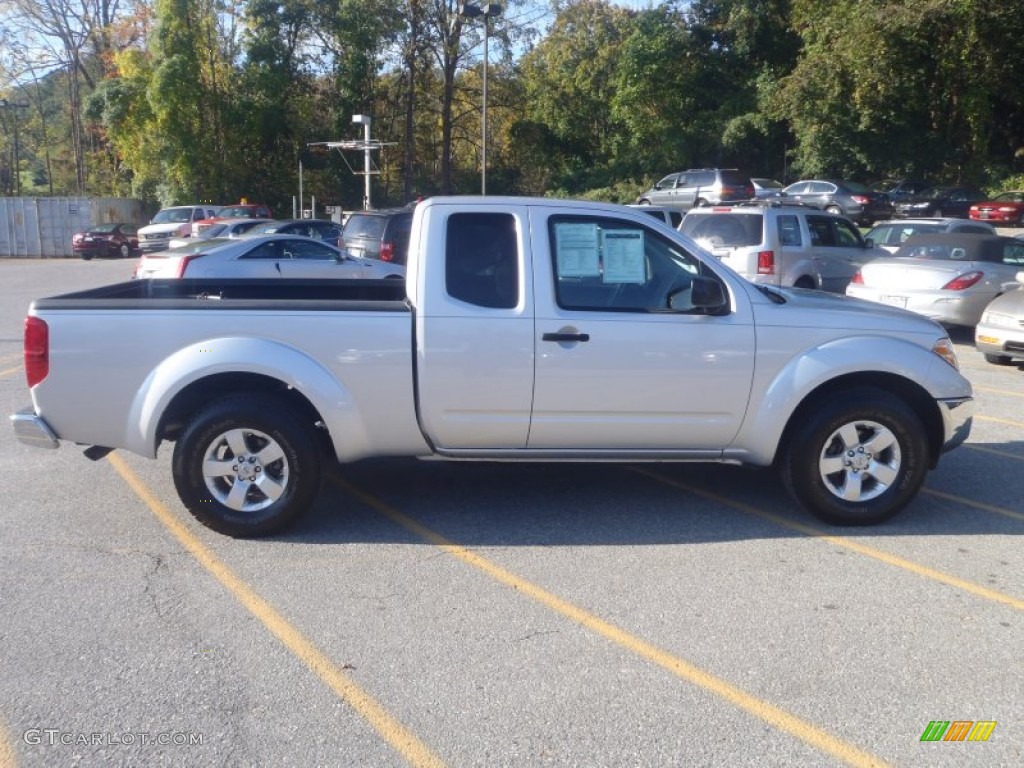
[172, 216]
[99, 228]
[202, 246]
[235, 212]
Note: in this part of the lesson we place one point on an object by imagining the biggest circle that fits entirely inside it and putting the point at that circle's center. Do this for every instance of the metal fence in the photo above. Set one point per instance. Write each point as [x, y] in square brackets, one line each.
[41, 227]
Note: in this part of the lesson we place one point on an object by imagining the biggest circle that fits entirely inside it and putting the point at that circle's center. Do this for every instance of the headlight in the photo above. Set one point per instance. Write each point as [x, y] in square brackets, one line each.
[944, 349]
[996, 318]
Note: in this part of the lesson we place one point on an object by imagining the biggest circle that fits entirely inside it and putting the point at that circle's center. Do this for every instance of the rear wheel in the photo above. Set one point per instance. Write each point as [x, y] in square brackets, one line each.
[125, 251]
[856, 459]
[834, 209]
[805, 282]
[247, 465]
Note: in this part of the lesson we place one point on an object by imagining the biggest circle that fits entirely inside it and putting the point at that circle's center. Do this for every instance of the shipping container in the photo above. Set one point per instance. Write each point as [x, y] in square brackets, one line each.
[42, 227]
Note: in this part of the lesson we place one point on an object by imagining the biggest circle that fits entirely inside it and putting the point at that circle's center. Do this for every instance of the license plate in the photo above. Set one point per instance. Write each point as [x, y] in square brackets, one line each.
[87, 239]
[894, 301]
[982, 214]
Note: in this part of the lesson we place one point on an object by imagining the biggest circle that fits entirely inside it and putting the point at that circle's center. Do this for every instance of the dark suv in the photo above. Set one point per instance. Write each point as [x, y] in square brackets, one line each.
[698, 187]
[380, 234]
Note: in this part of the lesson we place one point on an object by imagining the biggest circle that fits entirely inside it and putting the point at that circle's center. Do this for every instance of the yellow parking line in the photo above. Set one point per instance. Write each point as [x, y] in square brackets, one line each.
[769, 713]
[7, 757]
[13, 356]
[877, 554]
[996, 451]
[1000, 421]
[391, 730]
[995, 391]
[9, 371]
[976, 504]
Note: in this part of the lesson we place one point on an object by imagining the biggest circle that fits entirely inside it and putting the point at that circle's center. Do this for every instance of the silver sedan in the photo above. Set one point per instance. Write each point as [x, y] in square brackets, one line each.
[950, 278]
[264, 256]
[1000, 334]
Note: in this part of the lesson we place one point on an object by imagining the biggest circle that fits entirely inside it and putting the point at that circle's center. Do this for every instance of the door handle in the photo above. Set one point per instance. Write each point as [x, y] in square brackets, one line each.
[565, 337]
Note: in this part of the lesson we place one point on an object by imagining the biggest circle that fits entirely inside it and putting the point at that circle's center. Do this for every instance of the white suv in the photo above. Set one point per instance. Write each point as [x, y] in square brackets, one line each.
[171, 222]
[782, 244]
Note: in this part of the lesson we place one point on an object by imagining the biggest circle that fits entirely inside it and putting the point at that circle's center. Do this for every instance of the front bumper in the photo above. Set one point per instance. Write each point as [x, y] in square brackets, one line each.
[31, 429]
[957, 419]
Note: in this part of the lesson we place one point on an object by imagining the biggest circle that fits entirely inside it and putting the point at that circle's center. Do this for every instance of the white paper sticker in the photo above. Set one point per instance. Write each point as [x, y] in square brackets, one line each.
[577, 250]
[624, 260]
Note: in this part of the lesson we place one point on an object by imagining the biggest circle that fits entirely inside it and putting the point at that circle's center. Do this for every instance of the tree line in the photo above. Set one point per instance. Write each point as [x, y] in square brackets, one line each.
[183, 100]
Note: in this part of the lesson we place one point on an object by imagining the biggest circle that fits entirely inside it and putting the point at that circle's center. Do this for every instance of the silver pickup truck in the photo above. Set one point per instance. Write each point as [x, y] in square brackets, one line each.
[528, 329]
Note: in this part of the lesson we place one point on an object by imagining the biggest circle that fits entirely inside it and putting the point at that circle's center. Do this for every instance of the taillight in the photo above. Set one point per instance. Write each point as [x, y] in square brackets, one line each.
[860, 199]
[964, 281]
[387, 251]
[185, 261]
[37, 350]
[858, 278]
[766, 262]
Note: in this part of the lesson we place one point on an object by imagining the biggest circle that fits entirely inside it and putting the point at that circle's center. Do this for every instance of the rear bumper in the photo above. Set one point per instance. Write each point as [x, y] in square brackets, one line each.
[957, 418]
[31, 429]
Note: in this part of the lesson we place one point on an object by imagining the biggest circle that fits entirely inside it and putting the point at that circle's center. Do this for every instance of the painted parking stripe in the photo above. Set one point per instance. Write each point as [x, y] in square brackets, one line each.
[8, 759]
[9, 371]
[401, 739]
[994, 451]
[769, 713]
[976, 504]
[877, 554]
[995, 391]
[994, 420]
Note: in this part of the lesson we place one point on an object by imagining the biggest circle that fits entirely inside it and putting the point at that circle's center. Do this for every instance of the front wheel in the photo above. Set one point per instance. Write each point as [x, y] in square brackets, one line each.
[998, 359]
[857, 459]
[247, 465]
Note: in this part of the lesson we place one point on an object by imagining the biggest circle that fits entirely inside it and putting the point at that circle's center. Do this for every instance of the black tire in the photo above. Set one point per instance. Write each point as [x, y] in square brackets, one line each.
[834, 209]
[701, 203]
[998, 359]
[831, 453]
[278, 480]
[86, 257]
[805, 281]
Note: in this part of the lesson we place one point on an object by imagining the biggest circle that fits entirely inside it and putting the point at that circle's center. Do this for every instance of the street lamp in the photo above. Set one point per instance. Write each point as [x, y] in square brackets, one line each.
[487, 11]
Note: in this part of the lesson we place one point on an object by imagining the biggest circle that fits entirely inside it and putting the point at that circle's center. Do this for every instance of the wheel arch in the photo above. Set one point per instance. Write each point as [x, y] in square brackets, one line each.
[910, 392]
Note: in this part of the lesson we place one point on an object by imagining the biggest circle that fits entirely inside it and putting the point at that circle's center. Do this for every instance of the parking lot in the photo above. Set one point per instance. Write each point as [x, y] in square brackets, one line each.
[505, 615]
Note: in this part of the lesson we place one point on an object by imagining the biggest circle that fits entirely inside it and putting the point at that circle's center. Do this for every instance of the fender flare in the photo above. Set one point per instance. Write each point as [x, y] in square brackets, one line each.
[230, 355]
[853, 358]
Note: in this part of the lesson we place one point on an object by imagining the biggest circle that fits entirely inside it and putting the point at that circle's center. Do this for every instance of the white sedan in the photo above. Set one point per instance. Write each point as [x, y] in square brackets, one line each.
[264, 256]
[947, 277]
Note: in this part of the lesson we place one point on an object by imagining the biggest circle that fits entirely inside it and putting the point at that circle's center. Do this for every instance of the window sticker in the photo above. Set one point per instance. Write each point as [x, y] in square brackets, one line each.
[624, 260]
[576, 245]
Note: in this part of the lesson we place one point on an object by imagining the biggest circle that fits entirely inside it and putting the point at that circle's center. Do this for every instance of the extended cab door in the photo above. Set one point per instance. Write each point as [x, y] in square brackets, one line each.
[474, 326]
[616, 368]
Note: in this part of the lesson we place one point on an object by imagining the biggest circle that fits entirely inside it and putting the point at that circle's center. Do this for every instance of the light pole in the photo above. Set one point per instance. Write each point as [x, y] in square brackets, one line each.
[364, 120]
[487, 12]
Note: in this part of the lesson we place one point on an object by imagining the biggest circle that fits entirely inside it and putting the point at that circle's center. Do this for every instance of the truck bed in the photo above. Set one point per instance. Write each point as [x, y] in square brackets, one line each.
[207, 293]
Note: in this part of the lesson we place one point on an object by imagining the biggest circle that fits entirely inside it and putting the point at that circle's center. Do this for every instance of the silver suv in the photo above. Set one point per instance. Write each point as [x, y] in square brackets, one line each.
[786, 245]
[699, 187]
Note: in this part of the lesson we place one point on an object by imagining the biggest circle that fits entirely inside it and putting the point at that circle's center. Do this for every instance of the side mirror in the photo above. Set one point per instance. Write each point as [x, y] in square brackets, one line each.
[869, 242]
[702, 293]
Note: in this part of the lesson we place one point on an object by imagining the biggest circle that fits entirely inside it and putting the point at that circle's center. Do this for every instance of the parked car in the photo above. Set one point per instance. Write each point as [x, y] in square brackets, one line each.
[263, 256]
[890, 235]
[900, 189]
[951, 202]
[239, 211]
[318, 229]
[777, 243]
[767, 187]
[847, 198]
[999, 335]
[171, 222]
[115, 239]
[698, 187]
[673, 217]
[380, 234]
[228, 228]
[1004, 208]
[950, 278]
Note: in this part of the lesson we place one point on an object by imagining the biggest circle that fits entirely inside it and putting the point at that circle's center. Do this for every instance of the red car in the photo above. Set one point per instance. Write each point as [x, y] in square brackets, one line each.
[239, 211]
[114, 239]
[1005, 208]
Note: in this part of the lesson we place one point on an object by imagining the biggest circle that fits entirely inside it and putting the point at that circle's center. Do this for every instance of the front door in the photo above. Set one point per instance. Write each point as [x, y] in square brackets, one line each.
[616, 368]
